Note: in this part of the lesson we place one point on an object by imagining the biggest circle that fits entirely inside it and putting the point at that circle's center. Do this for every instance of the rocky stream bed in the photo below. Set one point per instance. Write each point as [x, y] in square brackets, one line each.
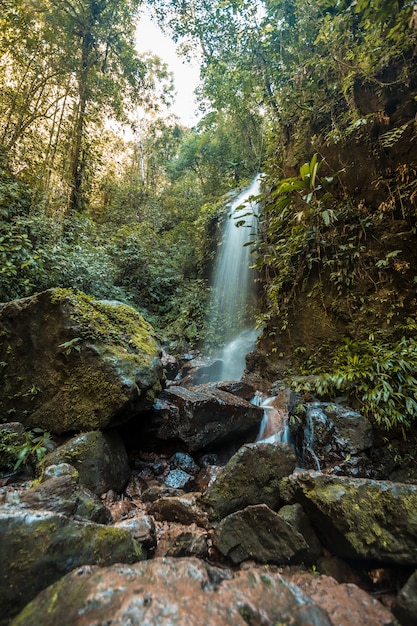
[158, 504]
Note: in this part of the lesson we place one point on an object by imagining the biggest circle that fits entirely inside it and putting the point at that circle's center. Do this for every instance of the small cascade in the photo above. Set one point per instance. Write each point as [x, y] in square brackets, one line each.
[274, 426]
[231, 315]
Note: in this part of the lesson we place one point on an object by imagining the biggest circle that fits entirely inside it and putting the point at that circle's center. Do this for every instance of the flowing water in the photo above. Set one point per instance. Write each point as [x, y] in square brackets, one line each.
[231, 316]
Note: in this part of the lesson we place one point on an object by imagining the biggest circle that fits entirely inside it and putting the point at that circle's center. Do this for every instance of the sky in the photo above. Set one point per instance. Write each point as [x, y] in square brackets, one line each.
[150, 39]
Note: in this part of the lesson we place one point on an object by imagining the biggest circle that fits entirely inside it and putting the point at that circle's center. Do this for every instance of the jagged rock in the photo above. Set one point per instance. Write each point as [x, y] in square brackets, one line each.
[345, 604]
[38, 547]
[260, 534]
[329, 433]
[100, 459]
[202, 417]
[178, 540]
[358, 518]
[185, 509]
[74, 363]
[251, 476]
[169, 591]
[406, 606]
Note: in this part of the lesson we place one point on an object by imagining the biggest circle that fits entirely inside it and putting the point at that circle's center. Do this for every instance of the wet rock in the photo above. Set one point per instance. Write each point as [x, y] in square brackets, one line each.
[171, 591]
[74, 363]
[178, 540]
[358, 518]
[345, 604]
[328, 433]
[185, 509]
[202, 416]
[170, 364]
[342, 571]
[100, 459]
[38, 547]
[260, 534]
[207, 477]
[251, 476]
[406, 605]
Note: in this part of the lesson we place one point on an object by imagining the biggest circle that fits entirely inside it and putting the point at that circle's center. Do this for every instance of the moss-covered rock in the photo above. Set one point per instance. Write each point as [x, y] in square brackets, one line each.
[70, 362]
[38, 547]
[358, 518]
[252, 476]
[100, 459]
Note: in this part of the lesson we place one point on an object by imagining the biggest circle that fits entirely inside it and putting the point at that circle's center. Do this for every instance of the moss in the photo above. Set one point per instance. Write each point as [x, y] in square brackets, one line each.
[98, 320]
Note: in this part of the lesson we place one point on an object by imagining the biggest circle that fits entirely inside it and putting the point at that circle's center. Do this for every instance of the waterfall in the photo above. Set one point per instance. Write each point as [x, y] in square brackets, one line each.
[231, 314]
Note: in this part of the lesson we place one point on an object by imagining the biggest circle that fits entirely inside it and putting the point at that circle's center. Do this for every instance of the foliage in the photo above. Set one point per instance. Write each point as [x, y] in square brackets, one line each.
[380, 377]
[22, 449]
[298, 217]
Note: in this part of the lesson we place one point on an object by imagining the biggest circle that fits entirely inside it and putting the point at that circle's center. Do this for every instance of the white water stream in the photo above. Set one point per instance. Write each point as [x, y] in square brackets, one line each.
[231, 317]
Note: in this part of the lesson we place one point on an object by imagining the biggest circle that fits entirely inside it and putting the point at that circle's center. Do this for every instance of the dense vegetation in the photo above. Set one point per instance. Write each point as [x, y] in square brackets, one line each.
[101, 189]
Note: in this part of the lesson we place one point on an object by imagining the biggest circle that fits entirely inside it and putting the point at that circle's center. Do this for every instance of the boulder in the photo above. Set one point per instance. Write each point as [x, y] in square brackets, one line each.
[260, 534]
[358, 518]
[38, 547]
[252, 476]
[202, 417]
[330, 433]
[169, 591]
[73, 363]
[100, 458]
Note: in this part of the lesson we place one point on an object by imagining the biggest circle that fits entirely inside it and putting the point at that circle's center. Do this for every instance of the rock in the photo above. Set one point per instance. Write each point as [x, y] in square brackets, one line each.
[358, 518]
[178, 479]
[169, 591]
[298, 520]
[329, 433]
[260, 534]
[62, 494]
[185, 462]
[142, 529]
[406, 606]
[251, 476]
[100, 459]
[38, 547]
[185, 509]
[345, 604]
[178, 540]
[202, 417]
[74, 363]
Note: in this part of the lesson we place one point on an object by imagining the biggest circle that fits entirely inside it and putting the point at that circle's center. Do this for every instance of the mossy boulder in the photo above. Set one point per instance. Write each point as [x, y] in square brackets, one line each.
[169, 591]
[100, 459]
[72, 363]
[358, 518]
[39, 547]
[252, 476]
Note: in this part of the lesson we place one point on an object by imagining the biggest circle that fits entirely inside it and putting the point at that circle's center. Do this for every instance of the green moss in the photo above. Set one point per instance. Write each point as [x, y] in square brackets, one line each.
[98, 320]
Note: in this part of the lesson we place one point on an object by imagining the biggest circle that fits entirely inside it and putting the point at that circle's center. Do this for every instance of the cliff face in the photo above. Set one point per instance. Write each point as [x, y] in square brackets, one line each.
[359, 281]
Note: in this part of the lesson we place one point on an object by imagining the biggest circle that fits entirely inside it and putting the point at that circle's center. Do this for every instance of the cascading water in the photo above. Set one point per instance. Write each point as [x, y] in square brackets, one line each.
[231, 312]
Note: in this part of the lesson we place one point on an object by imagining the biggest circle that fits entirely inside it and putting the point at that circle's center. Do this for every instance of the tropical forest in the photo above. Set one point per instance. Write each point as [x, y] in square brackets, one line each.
[208, 329]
